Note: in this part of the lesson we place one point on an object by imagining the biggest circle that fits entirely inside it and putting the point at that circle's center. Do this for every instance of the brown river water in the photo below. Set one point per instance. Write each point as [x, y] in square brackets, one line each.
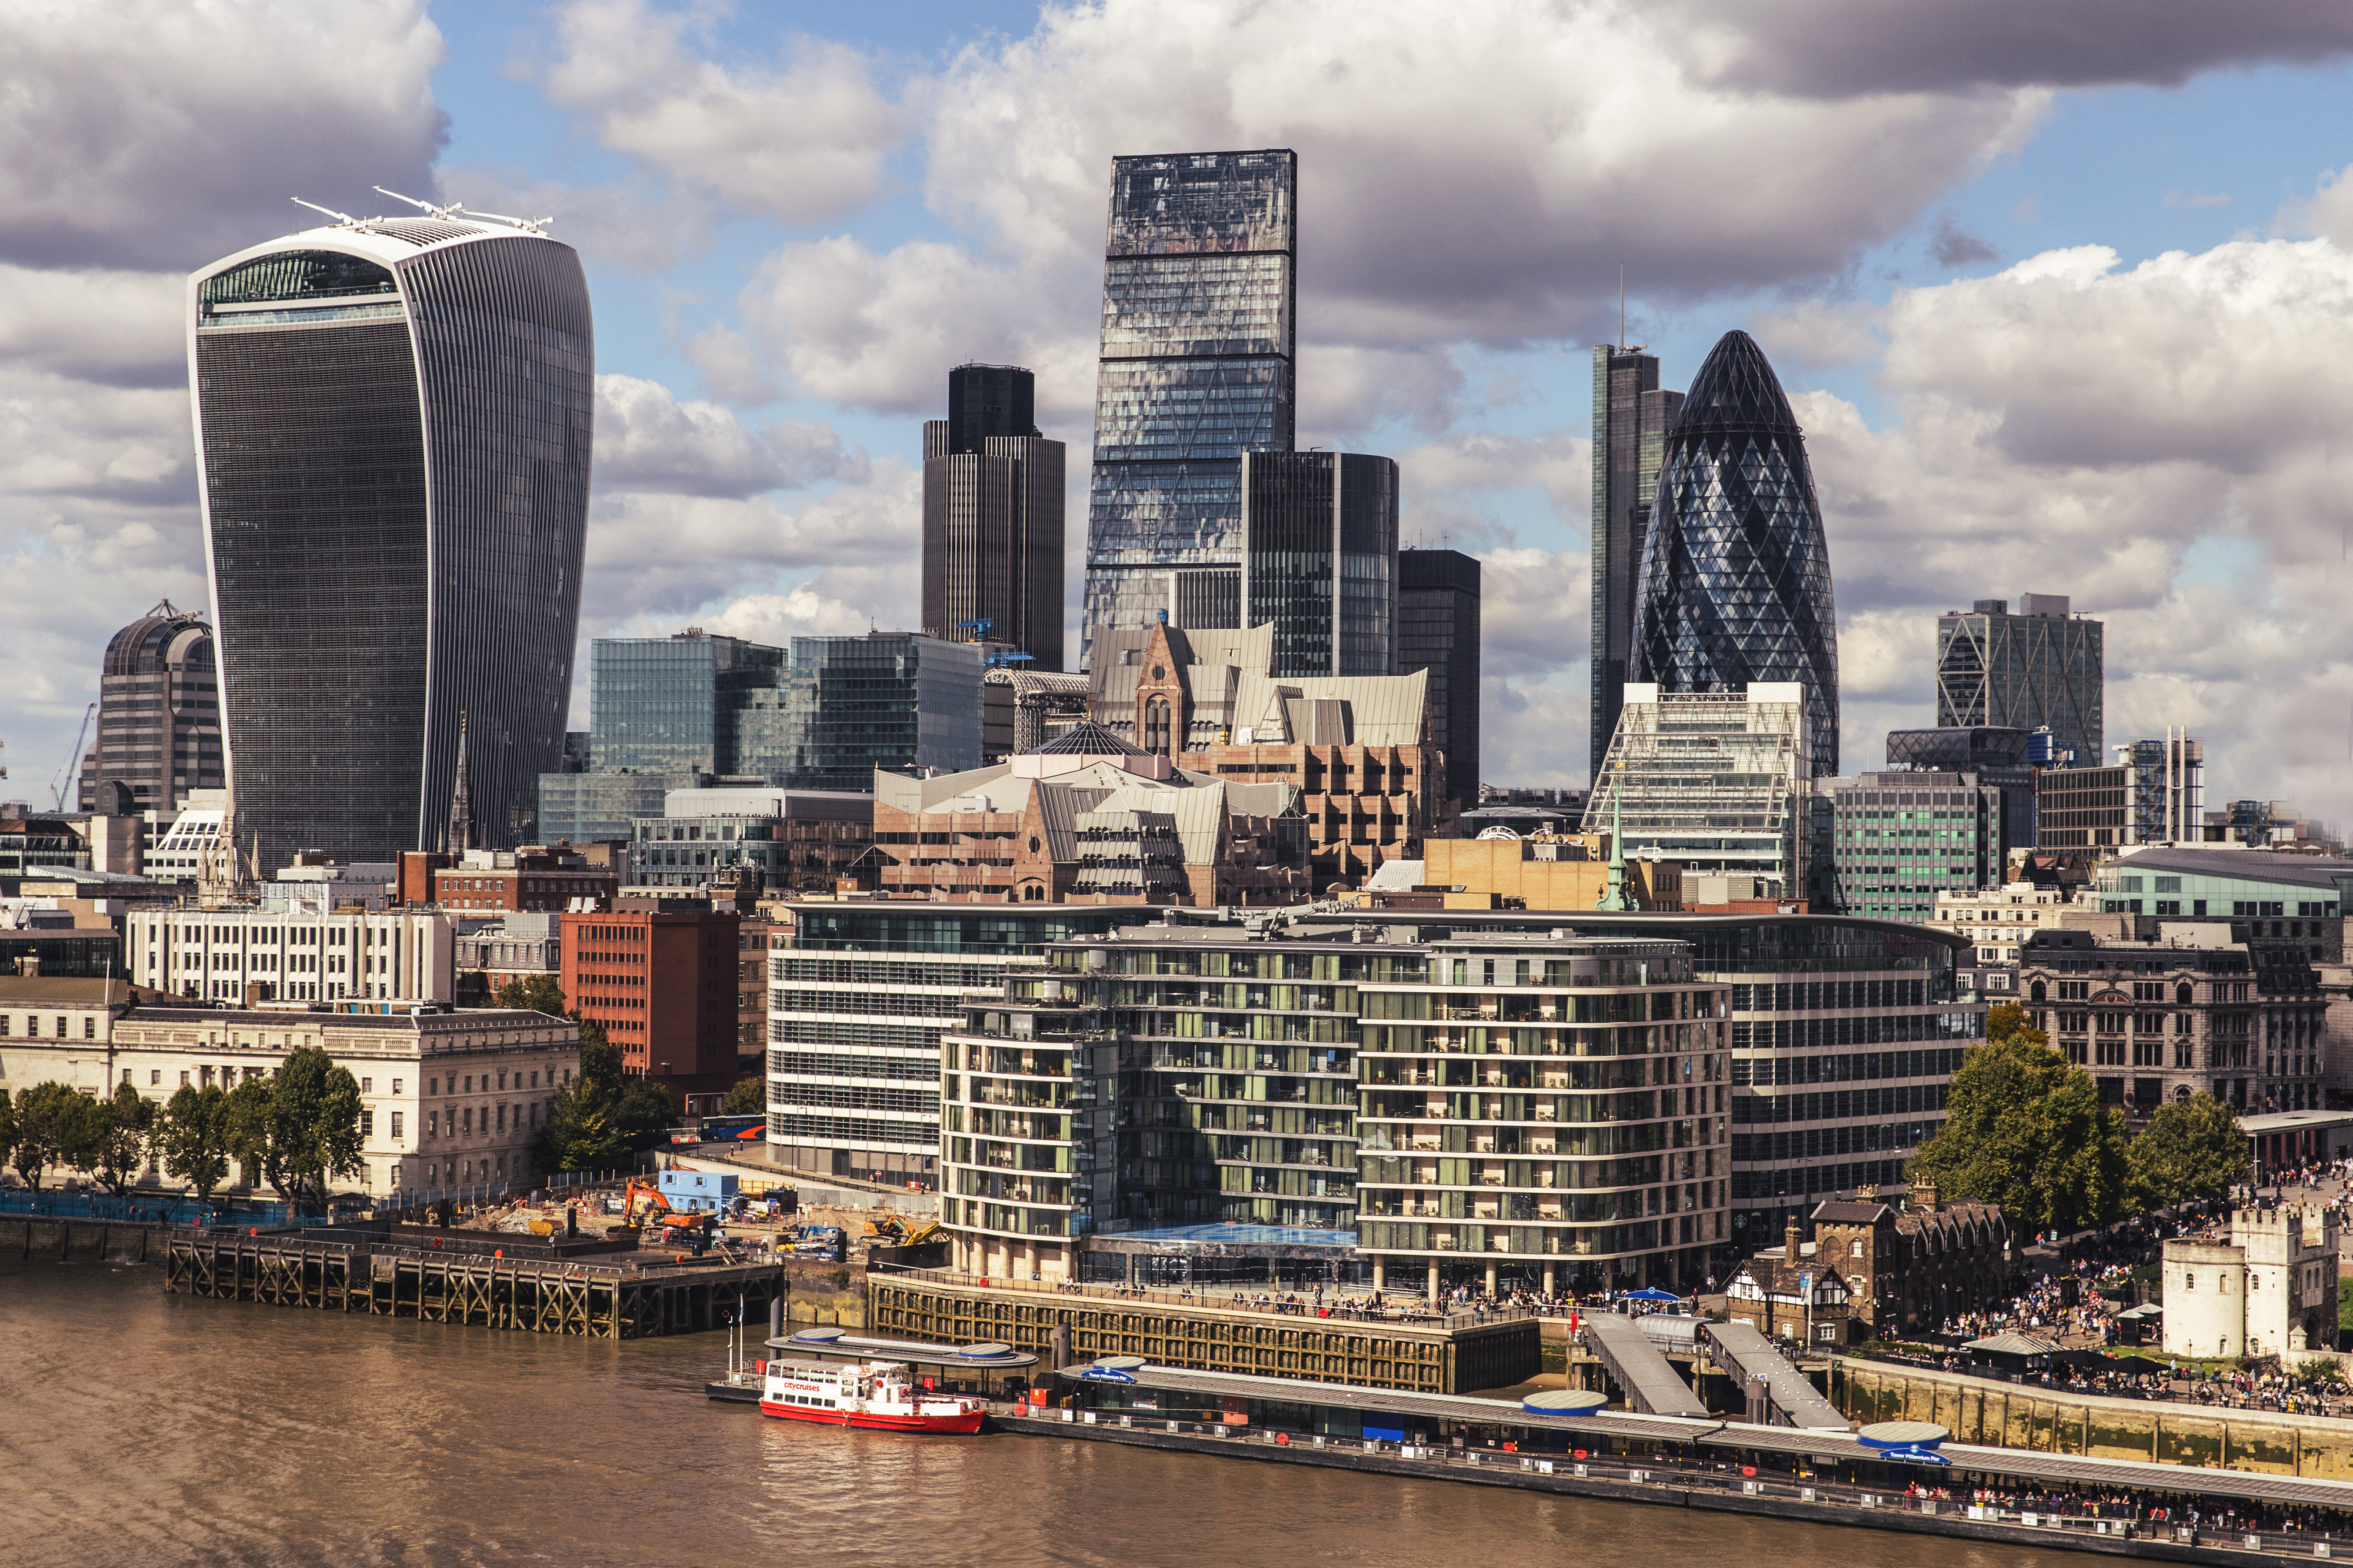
[139, 1430]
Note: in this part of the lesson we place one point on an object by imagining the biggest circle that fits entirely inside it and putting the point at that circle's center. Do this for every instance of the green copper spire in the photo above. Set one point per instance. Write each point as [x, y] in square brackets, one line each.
[1613, 890]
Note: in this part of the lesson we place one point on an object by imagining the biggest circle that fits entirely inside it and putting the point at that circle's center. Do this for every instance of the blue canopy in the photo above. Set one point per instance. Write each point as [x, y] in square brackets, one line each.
[1648, 1293]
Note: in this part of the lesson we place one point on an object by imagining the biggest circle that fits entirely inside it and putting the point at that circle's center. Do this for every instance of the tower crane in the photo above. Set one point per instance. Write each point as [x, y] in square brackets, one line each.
[65, 778]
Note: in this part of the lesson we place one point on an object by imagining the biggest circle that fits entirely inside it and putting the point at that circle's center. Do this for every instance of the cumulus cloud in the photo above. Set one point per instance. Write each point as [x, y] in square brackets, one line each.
[640, 225]
[648, 439]
[1852, 47]
[154, 134]
[803, 143]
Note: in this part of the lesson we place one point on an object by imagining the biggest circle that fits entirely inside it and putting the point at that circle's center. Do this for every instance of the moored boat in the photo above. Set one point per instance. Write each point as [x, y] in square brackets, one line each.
[880, 1396]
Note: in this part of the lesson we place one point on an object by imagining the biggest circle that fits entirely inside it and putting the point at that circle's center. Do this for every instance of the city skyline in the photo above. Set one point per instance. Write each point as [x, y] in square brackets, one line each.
[777, 301]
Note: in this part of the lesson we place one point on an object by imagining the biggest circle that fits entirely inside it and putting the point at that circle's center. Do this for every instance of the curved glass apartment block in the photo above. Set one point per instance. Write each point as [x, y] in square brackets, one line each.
[393, 422]
[1736, 579]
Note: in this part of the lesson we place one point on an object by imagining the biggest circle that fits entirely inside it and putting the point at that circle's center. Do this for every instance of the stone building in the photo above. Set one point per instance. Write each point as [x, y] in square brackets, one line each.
[1911, 1268]
[1791, 1293]
[2270, 1290]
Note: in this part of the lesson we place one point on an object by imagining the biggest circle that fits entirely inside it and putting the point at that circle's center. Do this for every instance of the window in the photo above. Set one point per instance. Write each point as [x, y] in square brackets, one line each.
[367, 1086]
[89, 1026]
[397, 1119]
[367, 1123]
[432, 1085]
[184, 1077]
[395, 1086]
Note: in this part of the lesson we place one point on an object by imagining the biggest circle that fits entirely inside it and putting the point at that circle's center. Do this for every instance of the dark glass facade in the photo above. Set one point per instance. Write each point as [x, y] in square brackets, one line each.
[1319, 560]
[1736, 579]
[2044, 668]
[1996, 755]
[887, 699]
[677, 704]
[392, 430]
[159, 728]
[1438, 631]
[1632, 415]
[1199, 304]
[993, 519]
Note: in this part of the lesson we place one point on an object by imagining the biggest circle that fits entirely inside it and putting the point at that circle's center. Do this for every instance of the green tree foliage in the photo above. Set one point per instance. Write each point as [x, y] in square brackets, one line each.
[747, 1097]
[2026, 1130]
[313, 1128]
[120, 1131]
[192, 1139]
[535, 993]
[245, 1129]
[2190, 1148]
[45, 1127]
[603, 1116]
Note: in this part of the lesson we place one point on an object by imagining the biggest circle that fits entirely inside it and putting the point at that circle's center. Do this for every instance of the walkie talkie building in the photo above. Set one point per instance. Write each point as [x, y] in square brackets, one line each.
[1735, 581]
[392, 425]
[1199, 302]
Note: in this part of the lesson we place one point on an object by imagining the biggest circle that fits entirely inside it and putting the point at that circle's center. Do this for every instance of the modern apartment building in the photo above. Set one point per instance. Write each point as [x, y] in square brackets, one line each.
[393, 440]
[993, 518]
[159, 726]
[1437, 634]
[1199, 327]
[1735, 590]
[2039, 669]
[1632, 416]
[292, 955]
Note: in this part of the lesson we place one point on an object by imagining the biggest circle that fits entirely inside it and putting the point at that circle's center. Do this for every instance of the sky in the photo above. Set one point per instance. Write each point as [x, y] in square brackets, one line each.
[2062, 296]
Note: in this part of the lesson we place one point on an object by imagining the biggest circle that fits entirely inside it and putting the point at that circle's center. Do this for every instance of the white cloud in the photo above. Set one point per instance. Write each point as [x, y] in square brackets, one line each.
[639, 224]
[155, 133]
[649, 440]
[804, 144]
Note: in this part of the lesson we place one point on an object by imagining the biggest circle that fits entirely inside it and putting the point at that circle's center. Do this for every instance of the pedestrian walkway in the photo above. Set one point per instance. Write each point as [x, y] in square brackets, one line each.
[1791, 1397]
[1653, 1386]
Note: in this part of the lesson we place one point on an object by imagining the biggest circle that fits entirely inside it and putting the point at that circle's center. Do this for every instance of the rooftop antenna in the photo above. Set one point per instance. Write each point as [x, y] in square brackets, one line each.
[1621, 307]
[528, 225]
[411, 200]
[315, 208]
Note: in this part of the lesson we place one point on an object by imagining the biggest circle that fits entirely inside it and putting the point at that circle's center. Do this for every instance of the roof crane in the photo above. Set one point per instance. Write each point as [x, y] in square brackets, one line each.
[64, 781]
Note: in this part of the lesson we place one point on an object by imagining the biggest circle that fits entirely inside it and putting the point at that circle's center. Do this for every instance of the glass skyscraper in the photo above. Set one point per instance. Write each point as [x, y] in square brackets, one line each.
[2041, 669]
[1319, 560]
[1438, 631]
[1736, 579]
[393, 429]
[1631, 417]
[887, 699]
[1200, 303]
[677, 704]
[993, 518]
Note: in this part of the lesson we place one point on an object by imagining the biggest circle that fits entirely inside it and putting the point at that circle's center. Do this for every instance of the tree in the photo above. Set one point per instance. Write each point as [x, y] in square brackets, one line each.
[244, 1122]
[2190, 1148]
[534, 994]
[747, 1097]
[603, 1115]
[192, 1139]
[121, 1130]
[42, 1126]
[2027, 1131]
[313, 1125]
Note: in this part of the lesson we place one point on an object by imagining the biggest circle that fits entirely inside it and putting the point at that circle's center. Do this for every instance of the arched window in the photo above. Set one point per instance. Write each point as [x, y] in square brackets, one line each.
[1854, 1249]
[2037, 992]
[1156, 725]
[2182, 994]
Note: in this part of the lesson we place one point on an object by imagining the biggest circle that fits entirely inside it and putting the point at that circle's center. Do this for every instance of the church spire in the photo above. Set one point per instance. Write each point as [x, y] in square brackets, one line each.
[459, 836]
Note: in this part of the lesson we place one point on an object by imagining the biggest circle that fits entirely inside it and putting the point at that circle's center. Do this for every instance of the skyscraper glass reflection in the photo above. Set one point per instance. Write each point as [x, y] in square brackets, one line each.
[1198, 333]
[1735, 581]
[393, 429]
[1319, 560]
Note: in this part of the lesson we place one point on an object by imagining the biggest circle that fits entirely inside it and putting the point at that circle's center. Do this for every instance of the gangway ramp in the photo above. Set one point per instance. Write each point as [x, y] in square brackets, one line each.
[1651, 1384]
[1790, 1398]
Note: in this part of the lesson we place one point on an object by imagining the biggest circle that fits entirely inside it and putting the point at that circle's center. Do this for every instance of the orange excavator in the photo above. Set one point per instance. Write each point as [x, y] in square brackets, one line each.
[682, 1225]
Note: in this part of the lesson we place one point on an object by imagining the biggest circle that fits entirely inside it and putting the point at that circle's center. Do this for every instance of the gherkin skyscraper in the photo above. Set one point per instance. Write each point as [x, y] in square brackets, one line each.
[1736, 578]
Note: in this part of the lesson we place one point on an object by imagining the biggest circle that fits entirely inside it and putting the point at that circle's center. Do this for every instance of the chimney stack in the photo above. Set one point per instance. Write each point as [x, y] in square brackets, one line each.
[1924, 1195]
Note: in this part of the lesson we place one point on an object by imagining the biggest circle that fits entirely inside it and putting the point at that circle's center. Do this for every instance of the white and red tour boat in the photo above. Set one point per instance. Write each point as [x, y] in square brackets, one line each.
[880, 1394]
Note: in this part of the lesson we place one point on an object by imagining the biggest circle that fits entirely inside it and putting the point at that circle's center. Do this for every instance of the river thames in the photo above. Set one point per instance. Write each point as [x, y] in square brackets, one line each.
[137, 1429]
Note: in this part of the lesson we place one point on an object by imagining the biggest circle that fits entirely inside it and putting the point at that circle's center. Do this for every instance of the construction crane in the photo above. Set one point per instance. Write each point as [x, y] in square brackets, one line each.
[64, 781]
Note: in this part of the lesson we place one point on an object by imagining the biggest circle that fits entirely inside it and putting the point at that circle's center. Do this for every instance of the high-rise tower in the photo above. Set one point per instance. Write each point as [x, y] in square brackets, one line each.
[393, 426]
[1631, 417]
[1197, 331]
[1735, 580]
[2040, 668]
[1319, 560]
[993, 518]
[159, 728]
[1438, 631]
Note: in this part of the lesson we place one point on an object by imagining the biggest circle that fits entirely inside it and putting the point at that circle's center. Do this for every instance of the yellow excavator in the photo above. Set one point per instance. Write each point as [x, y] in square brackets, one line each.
[893, 1231]
[682, 1225]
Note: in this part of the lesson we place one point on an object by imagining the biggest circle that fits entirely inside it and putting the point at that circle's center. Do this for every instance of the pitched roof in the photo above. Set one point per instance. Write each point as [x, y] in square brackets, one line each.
[1852, 1211]
[2013, 1344]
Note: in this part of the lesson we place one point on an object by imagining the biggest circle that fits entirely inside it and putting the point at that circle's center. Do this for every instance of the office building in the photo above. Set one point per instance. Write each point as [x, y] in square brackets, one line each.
[993, 518]
[857, 1004]
[1717, 782]
[2200, 1010]
[538, 877]
[2039, 669]
[1087, 818]
[520, 948]
[658, 975]
[2153, 793]
[2004, 758]
[1198, 327]
[1319, 560]
[393, 439]
[1437, 632]
[776, 840]
[246, 955]
[678, 704]
[1998, 922]
[600, 807]
[2294, 901]
[887, 699]
[159, 728]
[1632, 416]
[1734, 588]
[1900, 840]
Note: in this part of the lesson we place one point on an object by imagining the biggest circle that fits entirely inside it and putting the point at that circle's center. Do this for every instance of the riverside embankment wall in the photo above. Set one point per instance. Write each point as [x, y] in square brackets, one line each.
[2054, 1421]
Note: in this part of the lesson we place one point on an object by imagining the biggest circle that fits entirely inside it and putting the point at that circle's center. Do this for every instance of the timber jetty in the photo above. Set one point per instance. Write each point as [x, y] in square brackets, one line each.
[592, 1289]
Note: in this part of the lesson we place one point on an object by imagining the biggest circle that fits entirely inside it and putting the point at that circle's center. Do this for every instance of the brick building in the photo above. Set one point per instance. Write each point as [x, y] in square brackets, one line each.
[1788, 1293]
[1910, 1268]
[534, 877]
[659, 976]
